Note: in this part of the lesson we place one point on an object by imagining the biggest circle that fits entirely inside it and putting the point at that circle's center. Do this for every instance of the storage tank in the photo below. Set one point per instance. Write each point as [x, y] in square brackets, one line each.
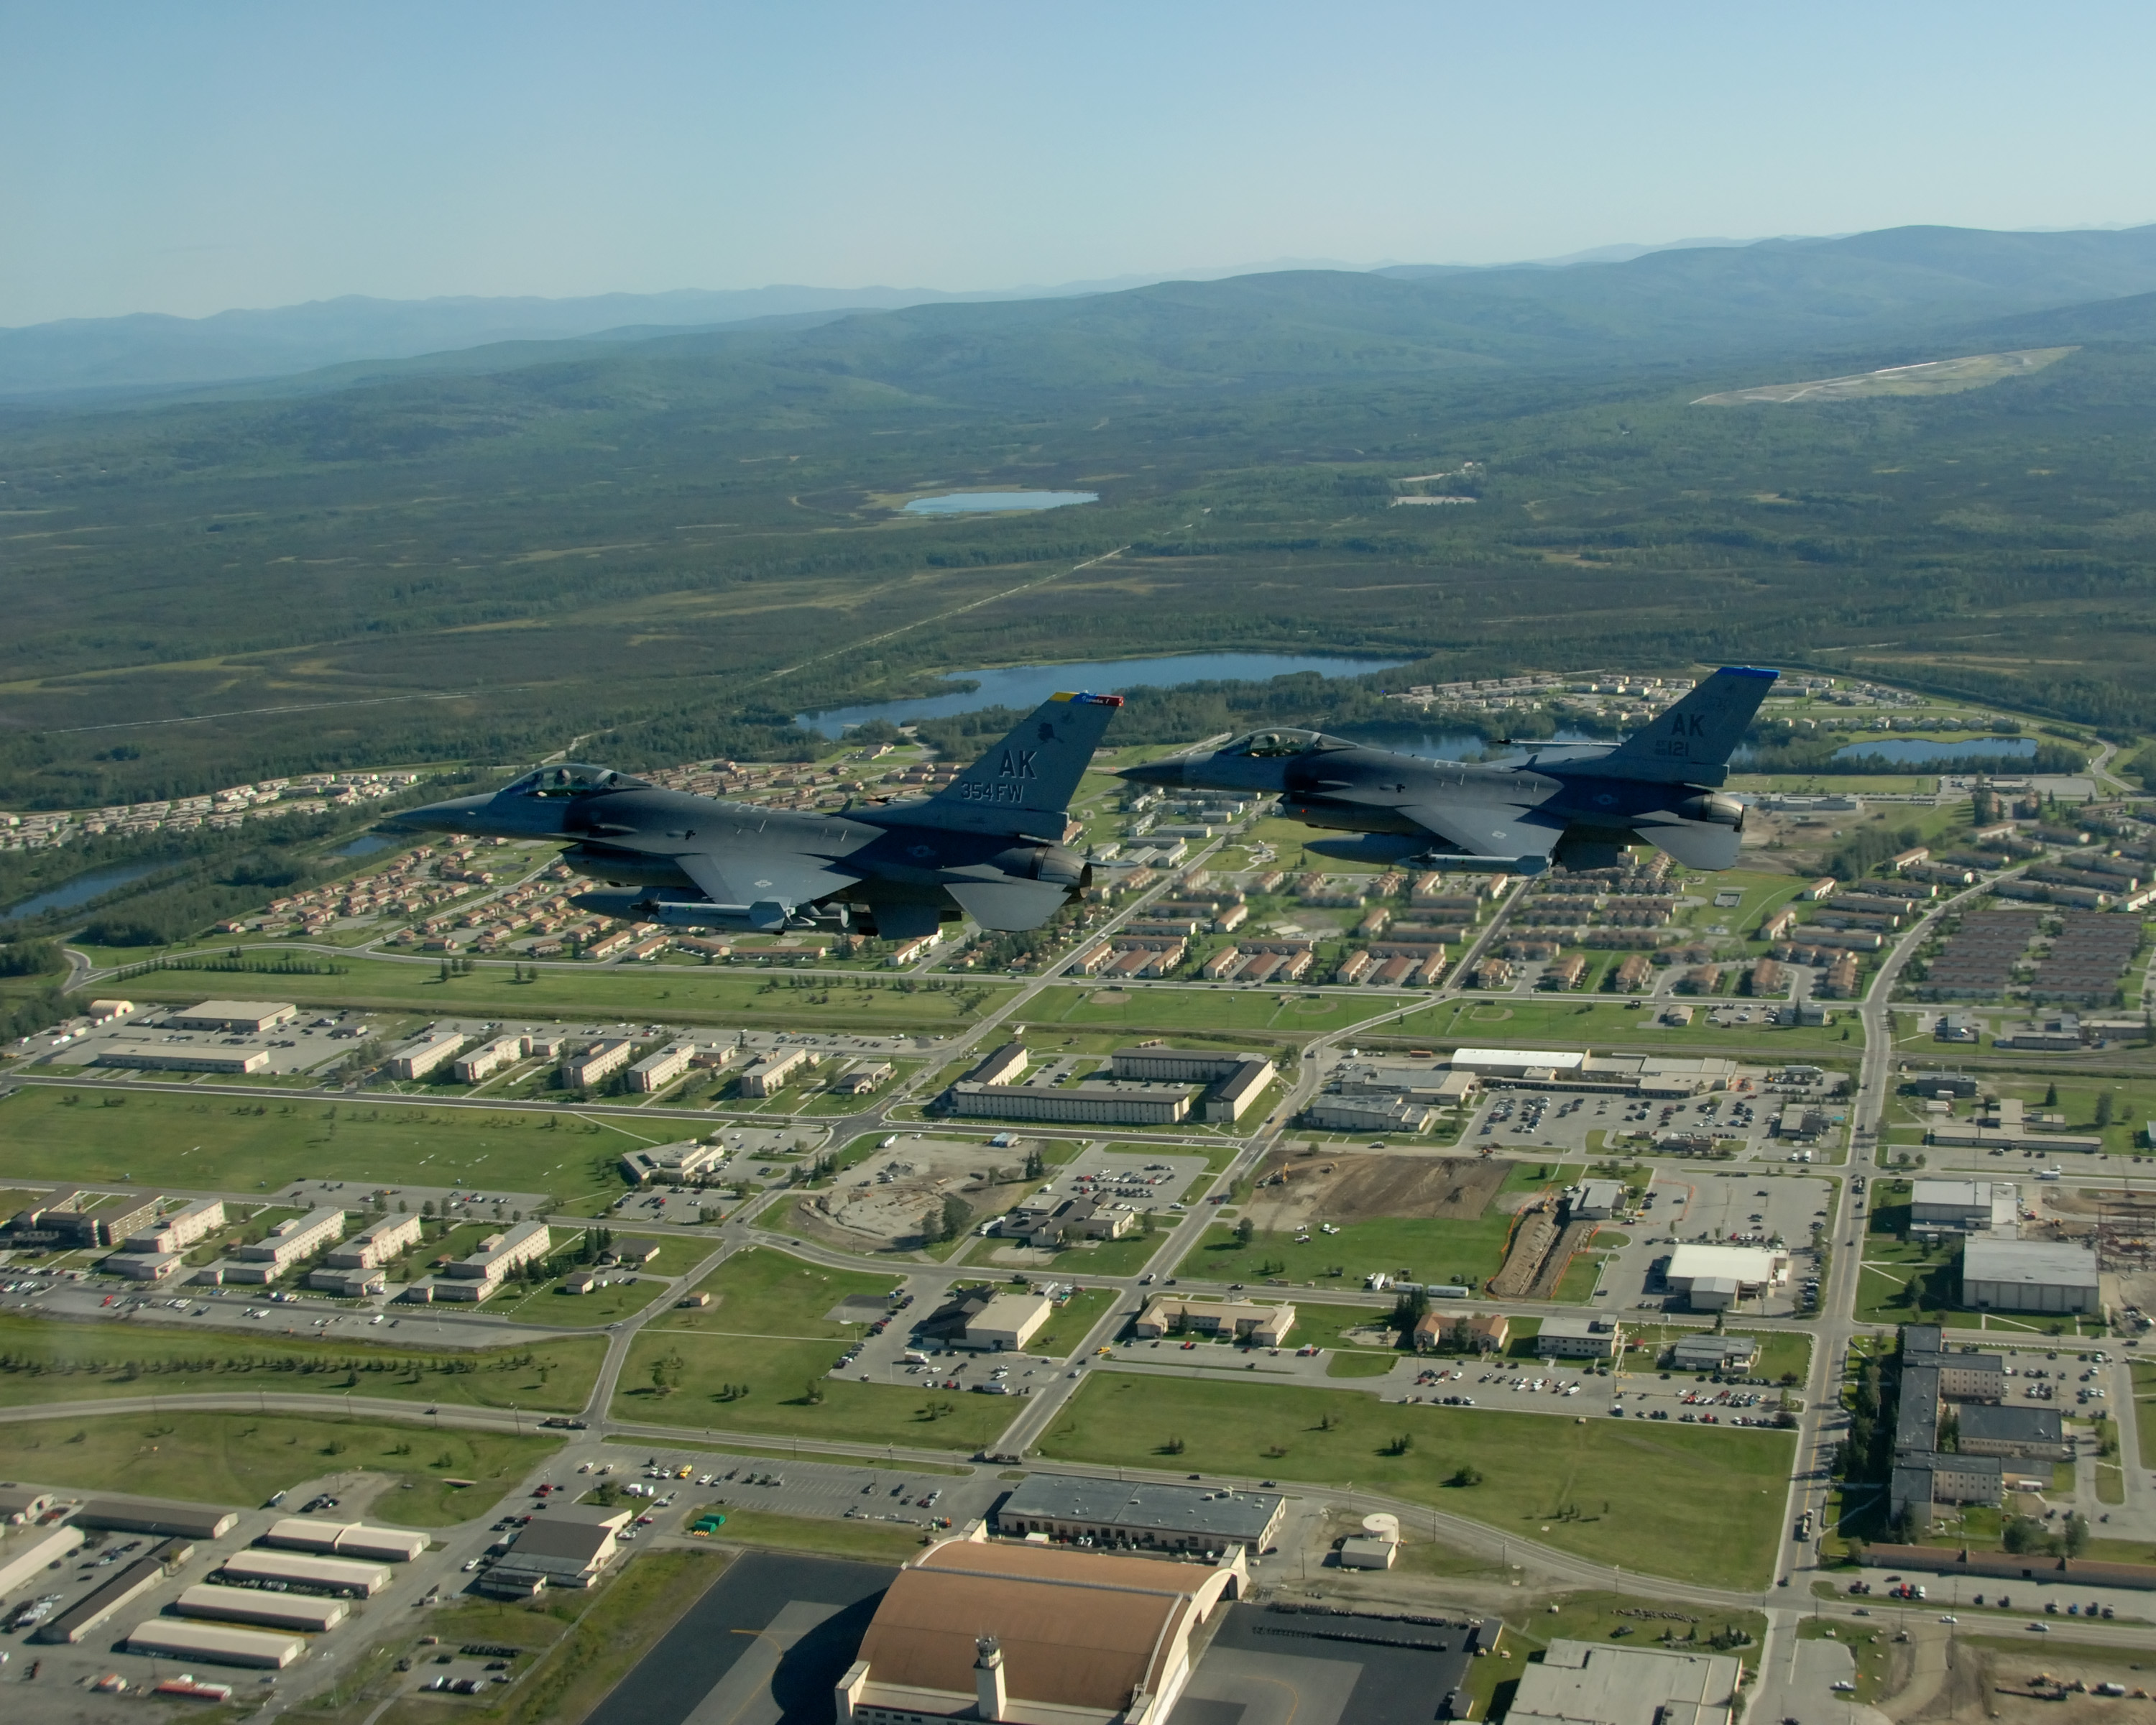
[347, 1539]
[305, 1612]
[343, 1574]
[176, 1638]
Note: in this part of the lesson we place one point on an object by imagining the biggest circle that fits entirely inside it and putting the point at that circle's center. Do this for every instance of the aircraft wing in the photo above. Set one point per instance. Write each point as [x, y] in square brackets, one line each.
[1008, 904]
[773, 882]
[1490, 830]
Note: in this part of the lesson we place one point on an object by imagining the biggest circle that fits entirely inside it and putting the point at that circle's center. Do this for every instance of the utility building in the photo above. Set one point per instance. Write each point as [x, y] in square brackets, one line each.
[1185, 1519]
[2029, 1275]
[1586, 1683]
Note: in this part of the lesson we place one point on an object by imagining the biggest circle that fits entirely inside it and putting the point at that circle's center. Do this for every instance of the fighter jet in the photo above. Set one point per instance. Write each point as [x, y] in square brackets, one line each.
[1576, 803]
[988, 846]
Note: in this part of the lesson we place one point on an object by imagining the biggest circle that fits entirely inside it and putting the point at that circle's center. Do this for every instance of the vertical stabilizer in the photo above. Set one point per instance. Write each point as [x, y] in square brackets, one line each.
[1024, 785]
[1691, 743]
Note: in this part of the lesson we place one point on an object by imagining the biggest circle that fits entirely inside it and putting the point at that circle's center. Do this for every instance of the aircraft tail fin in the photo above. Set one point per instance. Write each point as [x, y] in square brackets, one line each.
[1690, 743]
[1024, 784]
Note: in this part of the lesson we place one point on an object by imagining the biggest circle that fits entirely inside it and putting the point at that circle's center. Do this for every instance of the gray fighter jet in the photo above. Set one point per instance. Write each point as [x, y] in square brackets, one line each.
[989, 845]
[1577, 804]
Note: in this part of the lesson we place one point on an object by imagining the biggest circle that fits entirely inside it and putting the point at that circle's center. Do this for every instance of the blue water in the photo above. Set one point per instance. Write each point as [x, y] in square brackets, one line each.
[994, 502]
[365, 845]
[1910, 752]
[1465, 745]
[79, 890]
[1027, 686]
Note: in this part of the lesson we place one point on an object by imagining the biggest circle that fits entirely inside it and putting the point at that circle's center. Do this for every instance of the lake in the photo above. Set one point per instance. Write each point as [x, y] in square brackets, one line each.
[365, 845]
[996, 502]
[1908, 751]
[1026, 686]
[79, 890]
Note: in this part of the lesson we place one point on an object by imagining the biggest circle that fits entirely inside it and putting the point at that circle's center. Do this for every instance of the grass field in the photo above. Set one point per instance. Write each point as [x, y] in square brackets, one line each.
[608, 994]
[164, 1139]
[1294, 1012]
[1074, 1318]
[1780, 1351]
[767, 1329]
[241, 1459]
[46, 1360]
[585, 1644]
[876, 1542]
[1563, 1021]
[1596, 1488]
[1437, 1249]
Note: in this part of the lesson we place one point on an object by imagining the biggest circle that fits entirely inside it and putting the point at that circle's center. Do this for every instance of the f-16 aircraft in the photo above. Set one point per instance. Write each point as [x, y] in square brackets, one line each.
[1577, 804]
[989, 845]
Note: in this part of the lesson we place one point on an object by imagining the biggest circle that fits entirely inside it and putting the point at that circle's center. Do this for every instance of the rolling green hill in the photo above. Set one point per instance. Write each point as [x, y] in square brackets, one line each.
[667, 547]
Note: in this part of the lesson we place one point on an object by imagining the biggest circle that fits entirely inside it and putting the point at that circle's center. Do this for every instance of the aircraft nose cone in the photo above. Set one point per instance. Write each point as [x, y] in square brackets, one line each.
[1168, 772]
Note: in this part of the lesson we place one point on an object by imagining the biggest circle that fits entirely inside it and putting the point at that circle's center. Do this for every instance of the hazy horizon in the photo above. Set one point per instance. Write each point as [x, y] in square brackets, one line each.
[244, 155]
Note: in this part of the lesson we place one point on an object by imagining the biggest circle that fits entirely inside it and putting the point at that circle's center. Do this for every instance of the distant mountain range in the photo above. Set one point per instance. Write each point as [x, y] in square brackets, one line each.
[1701, 301]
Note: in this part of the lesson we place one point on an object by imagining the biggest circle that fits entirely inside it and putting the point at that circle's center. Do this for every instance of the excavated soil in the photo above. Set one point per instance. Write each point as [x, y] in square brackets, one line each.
[1346, 1189]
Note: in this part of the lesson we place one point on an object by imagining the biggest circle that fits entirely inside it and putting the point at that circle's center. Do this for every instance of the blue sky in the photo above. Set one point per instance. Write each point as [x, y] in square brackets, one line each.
[189, 158]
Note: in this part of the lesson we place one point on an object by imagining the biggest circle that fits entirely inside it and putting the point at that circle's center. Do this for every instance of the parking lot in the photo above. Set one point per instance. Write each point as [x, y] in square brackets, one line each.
[782, 1486]
[1719, 1206]
[1135, 1179]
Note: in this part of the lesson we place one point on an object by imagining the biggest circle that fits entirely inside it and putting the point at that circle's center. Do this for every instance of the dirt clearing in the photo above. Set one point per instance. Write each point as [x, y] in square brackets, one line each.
[1295, 1188]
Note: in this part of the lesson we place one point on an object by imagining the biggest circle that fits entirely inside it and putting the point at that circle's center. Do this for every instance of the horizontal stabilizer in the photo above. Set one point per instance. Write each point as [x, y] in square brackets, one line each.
[1696, 843]
[1692, 741]
[1009, 905]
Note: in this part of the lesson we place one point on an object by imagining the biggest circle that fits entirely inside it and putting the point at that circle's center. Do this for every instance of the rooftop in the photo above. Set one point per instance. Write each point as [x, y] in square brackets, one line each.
[1243, 1515]
[2031, 1263]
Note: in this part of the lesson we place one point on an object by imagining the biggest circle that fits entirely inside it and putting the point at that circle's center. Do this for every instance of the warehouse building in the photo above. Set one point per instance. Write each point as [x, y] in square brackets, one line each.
[150, 1515]
[1587, 1683]
[347, 1539]
[1008, 1322]
[27, 1549]
[424, 1055]
[1262, 1326]
[289, 1243]
[157, 1057]
[969, 1630]
[1184, 1519]
[249, 1018]
[304, 1612]
[1713, 1278]
[569, 1546]
[1939, 1207]
[341, 1575]
[2029, 1275]
[1094, 1104]
[213, 1644]
[81, 1620]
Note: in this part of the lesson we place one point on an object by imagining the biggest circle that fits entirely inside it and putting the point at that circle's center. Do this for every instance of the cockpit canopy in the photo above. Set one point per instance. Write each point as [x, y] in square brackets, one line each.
[572, 778]
[1267, 745]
